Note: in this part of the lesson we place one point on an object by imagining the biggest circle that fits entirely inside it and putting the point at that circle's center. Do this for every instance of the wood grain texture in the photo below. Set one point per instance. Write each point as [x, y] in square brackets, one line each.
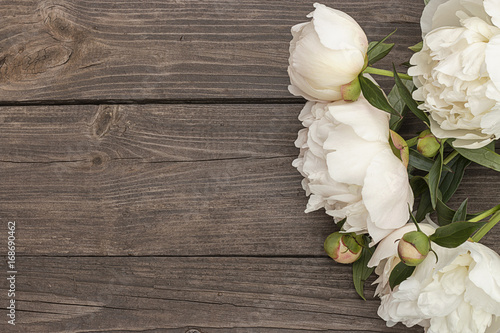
[178, 294]
[180, 213]
[168, 180]
[74, 51]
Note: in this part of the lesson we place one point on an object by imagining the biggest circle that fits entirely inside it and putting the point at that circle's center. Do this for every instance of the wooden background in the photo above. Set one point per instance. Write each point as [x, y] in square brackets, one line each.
[145, 155]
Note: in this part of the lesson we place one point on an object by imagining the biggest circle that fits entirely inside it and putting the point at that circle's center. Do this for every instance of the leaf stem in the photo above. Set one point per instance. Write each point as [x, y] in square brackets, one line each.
[487, 227]
[450, 157]
[484, 214]
[377, 71]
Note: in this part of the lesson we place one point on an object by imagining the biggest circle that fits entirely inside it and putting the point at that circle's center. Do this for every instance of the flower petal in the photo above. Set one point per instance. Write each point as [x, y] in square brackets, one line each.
[348, 34]
[367, 121]
[492, 54]
[350, 156]
[386, 192]
[492, 7]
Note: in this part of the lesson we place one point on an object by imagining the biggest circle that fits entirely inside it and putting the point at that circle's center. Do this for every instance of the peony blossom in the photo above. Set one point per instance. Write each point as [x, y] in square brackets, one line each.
[325, 54]
[349, 168]
[459, 293]
[457, 72]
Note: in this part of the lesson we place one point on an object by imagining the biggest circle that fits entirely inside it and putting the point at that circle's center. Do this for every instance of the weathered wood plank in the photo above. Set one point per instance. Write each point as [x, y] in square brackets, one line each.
[154, 294]
[74, 51]
[152, 133]
[167, 180]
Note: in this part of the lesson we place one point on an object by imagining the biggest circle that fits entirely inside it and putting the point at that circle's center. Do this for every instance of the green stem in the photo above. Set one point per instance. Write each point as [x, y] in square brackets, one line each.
[484, 214]
[450, 157]
[487, 227]
[377, 71]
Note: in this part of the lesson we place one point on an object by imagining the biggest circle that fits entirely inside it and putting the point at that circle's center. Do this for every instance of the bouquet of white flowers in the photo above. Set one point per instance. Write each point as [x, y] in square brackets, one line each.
[366, 176]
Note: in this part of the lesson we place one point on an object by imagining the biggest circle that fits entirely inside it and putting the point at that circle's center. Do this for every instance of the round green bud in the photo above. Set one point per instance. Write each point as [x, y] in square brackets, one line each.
[413, 248]
[344, 248]
[428, 145]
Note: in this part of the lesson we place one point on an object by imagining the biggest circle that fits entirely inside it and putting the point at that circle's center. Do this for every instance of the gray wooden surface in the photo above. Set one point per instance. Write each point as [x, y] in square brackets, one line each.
[145, 155]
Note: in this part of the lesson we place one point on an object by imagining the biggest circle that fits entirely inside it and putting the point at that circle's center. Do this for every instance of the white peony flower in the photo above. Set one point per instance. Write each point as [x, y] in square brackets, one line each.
[458, 294]
[325, 54]
[457, 72]
[349, 167]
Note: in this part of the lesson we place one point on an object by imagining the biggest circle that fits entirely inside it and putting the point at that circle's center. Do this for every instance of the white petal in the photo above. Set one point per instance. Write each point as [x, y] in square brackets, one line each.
[367, 121]
[350, 156]
[471, 144]
[434, 302]
[486, 260]
[386, 193]
[428, 13]
[347, 32]
[464, 138]
[445, 14]
[490, 122]
[301, 87]
[321, 66]
[492, 56]
[315, 202]
[492, 7]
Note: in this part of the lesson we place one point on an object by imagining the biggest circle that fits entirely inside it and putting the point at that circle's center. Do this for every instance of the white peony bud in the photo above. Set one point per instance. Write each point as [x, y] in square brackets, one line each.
[325, 54]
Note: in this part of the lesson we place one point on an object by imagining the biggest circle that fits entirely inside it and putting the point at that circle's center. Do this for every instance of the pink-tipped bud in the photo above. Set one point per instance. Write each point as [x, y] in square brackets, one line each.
[428, 145]
[351, 91]
[399, 148]
[344, 248]
[413, 248]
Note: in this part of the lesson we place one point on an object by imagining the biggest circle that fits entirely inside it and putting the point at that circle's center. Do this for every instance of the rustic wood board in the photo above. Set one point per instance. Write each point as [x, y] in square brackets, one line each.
[180, 212]
[167, 180]
[85, 51]
[209, 294]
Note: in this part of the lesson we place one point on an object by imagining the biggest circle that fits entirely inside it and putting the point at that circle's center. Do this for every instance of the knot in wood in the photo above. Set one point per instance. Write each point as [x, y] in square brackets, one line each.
[107, 115]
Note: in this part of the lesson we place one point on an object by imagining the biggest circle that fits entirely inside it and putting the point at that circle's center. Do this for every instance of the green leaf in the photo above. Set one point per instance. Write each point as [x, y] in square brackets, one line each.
[417, 47]
[399, 273]
[353, 242]
[413, 141]
[398, 104]
[435, 177]
[373, 45]
[426, 2]
[461, 213]
[424, 206]
[360, 270]
[454, 234]
[340, 224]
[378, 51]
[485, 156]
[375, 96]
[420, 162]
[451, 180]
[419, 185]
[408, 99]
[444, 213]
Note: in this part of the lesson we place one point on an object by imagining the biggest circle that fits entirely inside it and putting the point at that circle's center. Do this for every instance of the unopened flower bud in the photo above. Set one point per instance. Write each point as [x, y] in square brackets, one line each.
[413, 248]
[399, 148]
[428, 145]
[344, 248]
[351, 91]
